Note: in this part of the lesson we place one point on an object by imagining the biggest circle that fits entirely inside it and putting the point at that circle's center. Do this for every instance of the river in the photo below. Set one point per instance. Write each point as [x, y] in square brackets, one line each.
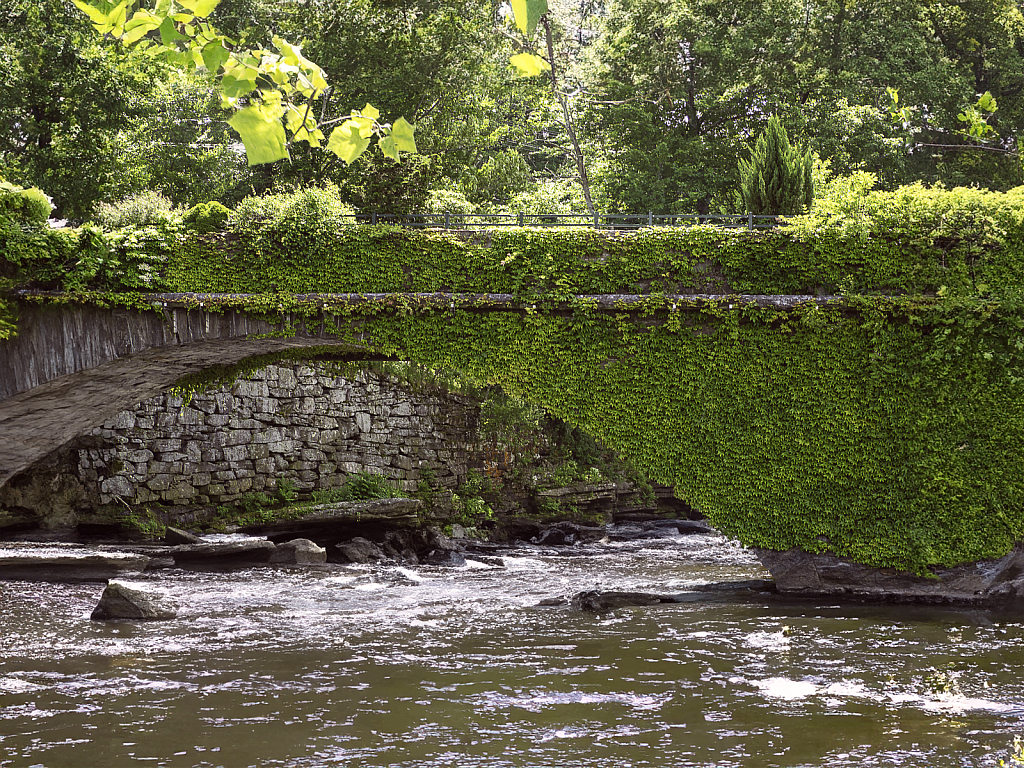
[429, 666]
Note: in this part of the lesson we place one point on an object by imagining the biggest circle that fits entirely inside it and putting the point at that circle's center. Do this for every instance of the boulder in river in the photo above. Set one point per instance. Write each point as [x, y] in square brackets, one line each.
[175, 536]
[360, 550]
[242, 553]
[298, 552]
[987, 583]
[120, 601]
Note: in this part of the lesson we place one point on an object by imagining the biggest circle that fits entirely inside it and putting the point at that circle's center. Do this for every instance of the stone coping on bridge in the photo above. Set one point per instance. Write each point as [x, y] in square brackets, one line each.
[478, 301]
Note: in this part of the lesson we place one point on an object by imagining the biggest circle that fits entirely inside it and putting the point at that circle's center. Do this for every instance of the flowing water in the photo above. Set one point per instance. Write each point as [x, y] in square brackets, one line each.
[384, 666]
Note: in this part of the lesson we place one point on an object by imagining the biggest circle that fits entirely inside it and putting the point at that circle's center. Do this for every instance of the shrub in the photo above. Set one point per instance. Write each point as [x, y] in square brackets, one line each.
[777, 179]
[449, 201]
[206, 217]
[146, 209]
[24, 206]
[314, 210]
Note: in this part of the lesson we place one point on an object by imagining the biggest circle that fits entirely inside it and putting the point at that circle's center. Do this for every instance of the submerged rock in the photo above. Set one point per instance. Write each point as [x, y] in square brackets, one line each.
[988, 582]
[598, 601]
[298, 552]
[119, 601]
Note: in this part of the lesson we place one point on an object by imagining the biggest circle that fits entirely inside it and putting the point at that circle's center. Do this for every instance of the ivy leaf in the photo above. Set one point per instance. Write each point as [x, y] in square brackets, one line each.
[347, 141]
[370, 111]
[201, 8]
[402, 132]
[528, 65]
[527, 13]
[261, 133]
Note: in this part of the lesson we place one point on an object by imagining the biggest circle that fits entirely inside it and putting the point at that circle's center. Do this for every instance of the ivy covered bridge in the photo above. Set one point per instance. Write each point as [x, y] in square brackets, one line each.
[846, 389]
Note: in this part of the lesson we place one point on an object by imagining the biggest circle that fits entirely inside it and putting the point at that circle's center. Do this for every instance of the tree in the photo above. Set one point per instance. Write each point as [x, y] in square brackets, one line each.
[679, 87]
[63, 99]
[776, 180]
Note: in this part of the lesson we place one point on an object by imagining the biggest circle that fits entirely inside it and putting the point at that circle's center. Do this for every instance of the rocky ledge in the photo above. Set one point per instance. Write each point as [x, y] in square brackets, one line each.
[985, 583]
[59, 563]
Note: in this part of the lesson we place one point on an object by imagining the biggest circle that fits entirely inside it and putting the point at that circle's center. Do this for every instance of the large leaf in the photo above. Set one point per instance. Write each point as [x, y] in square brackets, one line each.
[141, 24]
[528, 65]
[261, 132]
[201, 8]
[168, 33]
[387, 146]
[528, 13]
[96, 16]
[402, 132]
[215, 55]
[347, 142]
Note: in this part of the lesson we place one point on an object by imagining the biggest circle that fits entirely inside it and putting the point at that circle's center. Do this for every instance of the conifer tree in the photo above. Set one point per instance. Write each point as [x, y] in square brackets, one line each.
[776, 180]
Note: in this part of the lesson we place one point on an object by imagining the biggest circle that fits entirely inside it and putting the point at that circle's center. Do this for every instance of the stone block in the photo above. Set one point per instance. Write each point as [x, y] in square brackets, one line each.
[212, 455]
[145, 422]
[123, 420]
[218, 420]
[227, 474]
[236, 453]
[283, 446]
[180, 490]
[138, 456]
[402, 462]
[117, 486]
[165, 445]
[159, 482]
[200, 479]
[190, 417]
[266, 466]
[312, 454]
[171, 457]
[258, 450]
[250, 389]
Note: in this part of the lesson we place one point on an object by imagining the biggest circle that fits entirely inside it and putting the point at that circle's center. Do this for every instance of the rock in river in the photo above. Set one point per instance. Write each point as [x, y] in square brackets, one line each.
[119, 601]
[298, 552]
[57, 562]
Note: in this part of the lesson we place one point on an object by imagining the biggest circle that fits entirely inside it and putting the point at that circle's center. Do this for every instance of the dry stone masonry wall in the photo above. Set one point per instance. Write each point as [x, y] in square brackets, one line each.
[307, 424]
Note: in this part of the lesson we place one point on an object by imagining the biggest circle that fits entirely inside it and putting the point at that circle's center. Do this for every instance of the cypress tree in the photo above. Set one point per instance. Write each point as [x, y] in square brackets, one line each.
[776, 180]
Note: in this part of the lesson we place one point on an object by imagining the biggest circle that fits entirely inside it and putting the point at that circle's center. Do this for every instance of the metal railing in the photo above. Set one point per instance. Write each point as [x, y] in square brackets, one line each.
[597, 221]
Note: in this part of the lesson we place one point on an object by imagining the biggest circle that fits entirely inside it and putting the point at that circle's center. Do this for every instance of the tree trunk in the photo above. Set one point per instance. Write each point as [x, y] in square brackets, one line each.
[577, 152]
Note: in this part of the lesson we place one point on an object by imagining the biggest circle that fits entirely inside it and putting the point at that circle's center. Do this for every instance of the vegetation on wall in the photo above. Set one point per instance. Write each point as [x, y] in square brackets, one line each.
[885, 427]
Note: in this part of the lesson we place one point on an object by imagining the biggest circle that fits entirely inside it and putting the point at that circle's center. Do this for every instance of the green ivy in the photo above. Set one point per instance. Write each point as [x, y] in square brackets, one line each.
[886, 428]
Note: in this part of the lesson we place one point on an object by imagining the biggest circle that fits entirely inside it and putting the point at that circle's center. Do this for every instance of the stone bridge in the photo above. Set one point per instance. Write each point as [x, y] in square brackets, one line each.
[72, 366]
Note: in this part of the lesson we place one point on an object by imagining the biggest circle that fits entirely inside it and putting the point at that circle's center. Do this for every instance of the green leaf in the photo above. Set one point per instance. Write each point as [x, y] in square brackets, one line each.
[987, 102]
[527, 13]
[388, 147]
[96, 16]
[528, 65]
[402, 132]
[215, 55]
[201, 8]
[370, 111]
[261, 132]
[347, 142]
[168, 33]
[140, 24]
